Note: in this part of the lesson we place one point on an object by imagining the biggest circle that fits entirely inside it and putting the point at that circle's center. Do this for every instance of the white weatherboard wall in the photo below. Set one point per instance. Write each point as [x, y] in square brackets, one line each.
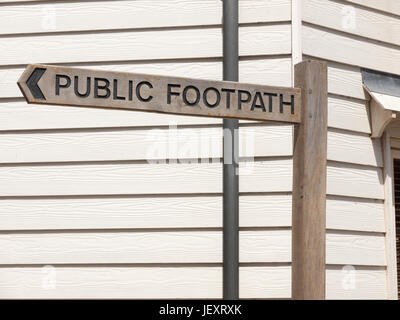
[76, 191]
[353, 35]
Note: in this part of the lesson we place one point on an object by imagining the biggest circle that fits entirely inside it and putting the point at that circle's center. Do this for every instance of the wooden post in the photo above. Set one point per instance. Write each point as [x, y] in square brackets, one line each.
[309, 183]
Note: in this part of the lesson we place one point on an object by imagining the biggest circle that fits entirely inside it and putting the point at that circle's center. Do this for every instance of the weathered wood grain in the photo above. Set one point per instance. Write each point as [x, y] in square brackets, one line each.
[309, 183]
[55, 85]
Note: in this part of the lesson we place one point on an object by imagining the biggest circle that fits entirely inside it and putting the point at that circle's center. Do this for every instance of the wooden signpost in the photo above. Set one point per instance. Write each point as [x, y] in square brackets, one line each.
[117, 90]
[305, 106]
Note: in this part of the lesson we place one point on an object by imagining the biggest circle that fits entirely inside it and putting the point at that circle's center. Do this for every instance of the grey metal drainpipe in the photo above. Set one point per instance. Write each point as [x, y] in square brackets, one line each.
[231, 151]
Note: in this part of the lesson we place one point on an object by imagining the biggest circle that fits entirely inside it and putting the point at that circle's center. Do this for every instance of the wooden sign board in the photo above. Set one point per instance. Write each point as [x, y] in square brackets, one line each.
[43, 84]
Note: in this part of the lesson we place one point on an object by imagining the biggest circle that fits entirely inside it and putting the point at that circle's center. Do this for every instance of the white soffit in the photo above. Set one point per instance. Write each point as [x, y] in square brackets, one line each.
[384, 90]
[386, 101]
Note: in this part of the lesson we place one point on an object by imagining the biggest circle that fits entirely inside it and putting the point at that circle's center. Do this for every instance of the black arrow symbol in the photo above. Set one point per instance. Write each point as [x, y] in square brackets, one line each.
[32, 83]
